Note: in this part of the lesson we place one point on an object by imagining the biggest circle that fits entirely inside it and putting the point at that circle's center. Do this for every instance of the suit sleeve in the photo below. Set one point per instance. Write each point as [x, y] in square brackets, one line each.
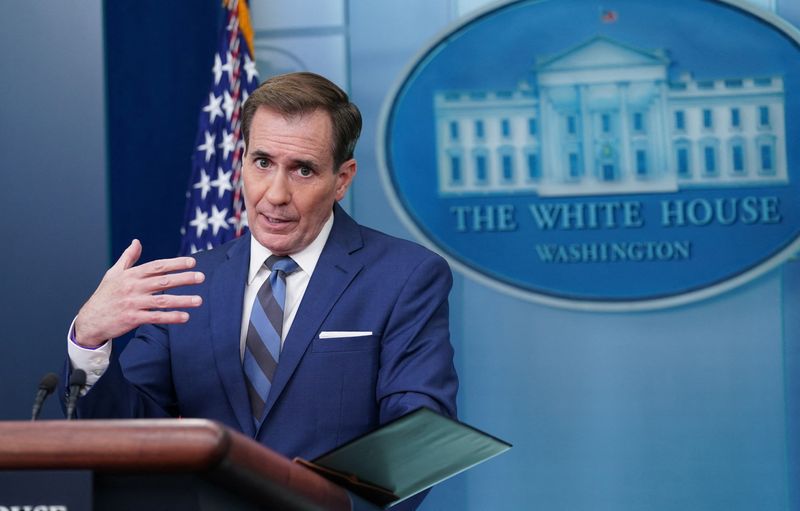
[416, 360]
[114, 396]
[416, 354]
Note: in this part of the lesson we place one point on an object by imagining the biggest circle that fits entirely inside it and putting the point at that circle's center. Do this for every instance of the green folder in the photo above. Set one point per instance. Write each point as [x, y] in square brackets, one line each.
[406, 456]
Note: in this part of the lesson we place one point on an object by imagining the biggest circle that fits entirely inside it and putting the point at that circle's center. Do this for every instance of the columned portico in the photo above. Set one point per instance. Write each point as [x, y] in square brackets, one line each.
[607, 119]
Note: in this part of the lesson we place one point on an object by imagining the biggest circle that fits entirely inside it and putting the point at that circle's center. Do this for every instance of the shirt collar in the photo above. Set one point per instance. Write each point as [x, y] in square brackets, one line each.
[306, 259]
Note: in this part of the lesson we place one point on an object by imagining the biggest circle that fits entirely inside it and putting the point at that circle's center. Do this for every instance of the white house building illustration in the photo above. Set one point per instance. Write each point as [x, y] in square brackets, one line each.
[605, 118]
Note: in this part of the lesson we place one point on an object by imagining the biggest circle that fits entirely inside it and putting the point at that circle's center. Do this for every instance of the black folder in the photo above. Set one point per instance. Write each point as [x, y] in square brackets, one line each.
[406, 456]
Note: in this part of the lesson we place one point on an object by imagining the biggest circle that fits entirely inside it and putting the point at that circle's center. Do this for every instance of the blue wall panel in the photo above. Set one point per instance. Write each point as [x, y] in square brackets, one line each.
[53, 197]
[682, 408]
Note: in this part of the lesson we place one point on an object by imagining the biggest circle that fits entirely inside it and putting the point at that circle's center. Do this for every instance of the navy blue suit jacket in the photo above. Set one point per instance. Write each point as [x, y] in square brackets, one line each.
[325, 391]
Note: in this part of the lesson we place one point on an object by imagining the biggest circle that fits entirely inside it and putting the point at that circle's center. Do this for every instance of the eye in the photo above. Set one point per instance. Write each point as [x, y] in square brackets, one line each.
[262, 163]
[305, 172]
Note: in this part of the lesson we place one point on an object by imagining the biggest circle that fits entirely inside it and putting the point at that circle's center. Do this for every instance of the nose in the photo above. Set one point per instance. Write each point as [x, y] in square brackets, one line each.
[278, 192]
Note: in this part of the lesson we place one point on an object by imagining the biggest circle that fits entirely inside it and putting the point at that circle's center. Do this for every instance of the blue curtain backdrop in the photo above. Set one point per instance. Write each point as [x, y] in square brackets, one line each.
[158, 58]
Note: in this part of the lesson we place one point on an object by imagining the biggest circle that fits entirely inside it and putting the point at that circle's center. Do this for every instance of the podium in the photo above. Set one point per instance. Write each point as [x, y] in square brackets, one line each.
[170, 464]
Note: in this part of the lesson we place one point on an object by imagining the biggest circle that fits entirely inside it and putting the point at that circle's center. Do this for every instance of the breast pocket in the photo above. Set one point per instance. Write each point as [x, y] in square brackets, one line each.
[341, 343]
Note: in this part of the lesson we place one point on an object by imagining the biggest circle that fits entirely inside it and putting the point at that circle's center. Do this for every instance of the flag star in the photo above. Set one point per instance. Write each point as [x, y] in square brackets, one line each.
[217, 69]
[217, 220]
[204, 184]
[240, 222]
[228, 66]
[208, 145]
[213, 107]
[245, 95]
[223, 182]
[200, 221]
[227, 144]
[228, 105]
[250, 68]
[209, 245]
[193, 249]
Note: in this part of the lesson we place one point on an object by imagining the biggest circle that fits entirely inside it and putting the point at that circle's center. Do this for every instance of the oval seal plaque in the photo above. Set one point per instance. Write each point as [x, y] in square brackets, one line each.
[608, 156]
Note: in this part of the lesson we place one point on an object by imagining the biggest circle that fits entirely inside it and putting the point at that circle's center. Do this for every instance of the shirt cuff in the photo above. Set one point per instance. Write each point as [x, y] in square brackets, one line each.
[93, 361]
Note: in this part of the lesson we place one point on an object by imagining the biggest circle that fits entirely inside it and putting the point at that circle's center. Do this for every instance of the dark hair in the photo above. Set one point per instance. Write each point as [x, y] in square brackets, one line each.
[301, 93]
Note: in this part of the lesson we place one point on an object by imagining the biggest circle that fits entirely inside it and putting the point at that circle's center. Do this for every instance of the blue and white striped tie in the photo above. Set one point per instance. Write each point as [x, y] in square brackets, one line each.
[263, 344]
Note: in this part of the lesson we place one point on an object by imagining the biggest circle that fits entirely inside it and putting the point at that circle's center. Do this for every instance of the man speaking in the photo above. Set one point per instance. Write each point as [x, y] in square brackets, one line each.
[304, 334]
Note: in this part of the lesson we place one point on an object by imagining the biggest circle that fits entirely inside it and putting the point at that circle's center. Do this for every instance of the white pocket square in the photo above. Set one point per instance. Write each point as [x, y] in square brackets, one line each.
[342, 334]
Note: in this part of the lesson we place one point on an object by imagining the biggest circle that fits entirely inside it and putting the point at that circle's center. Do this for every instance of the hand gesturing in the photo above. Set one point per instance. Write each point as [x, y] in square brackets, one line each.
[130, 296]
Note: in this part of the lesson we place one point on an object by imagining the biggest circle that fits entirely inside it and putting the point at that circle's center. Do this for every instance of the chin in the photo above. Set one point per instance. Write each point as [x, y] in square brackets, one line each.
[280, 247]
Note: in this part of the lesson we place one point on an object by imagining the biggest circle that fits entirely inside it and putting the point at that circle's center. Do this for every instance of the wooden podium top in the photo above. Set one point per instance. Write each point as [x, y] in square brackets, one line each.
[163, 445]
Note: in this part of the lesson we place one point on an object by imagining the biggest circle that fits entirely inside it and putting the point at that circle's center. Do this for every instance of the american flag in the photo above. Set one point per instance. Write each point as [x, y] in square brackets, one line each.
[214, 203]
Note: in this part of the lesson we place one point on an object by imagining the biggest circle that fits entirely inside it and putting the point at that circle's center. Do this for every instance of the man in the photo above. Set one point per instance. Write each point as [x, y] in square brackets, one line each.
[363, 338]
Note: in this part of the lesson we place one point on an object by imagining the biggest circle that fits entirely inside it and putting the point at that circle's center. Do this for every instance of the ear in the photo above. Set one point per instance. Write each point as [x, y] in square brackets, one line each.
[347, 171]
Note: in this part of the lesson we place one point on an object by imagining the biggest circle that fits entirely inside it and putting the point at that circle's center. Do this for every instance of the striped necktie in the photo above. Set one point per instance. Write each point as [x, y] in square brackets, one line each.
[263, 342]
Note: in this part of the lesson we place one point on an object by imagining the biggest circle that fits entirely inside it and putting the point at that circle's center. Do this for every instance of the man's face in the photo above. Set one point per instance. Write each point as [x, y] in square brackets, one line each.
[289, 180]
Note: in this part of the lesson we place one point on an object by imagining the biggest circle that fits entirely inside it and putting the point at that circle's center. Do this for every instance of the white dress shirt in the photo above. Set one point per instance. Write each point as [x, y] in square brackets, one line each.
[95, 361]
[296, 283]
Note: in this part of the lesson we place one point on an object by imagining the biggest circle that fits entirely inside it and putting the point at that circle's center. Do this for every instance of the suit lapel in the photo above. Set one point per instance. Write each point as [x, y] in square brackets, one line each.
[225, 296]
[335, 270]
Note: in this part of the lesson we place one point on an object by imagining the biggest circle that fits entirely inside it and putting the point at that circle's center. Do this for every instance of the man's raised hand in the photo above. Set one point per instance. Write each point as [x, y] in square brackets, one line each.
[130, 296]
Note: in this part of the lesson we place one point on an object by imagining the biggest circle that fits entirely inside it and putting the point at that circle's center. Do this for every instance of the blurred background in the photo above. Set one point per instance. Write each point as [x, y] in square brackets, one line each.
[691, 407]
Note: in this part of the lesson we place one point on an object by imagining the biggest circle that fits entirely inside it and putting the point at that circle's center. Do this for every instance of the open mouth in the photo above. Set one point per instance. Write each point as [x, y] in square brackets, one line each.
[275, 222]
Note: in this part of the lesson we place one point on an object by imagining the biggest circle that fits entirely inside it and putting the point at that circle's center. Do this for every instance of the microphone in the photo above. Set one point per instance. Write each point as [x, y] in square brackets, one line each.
[46, 387]
[76, 382]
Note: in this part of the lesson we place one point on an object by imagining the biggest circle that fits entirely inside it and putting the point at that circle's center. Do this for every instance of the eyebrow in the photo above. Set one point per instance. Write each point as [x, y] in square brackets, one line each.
[258, 153]
[305, 163]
